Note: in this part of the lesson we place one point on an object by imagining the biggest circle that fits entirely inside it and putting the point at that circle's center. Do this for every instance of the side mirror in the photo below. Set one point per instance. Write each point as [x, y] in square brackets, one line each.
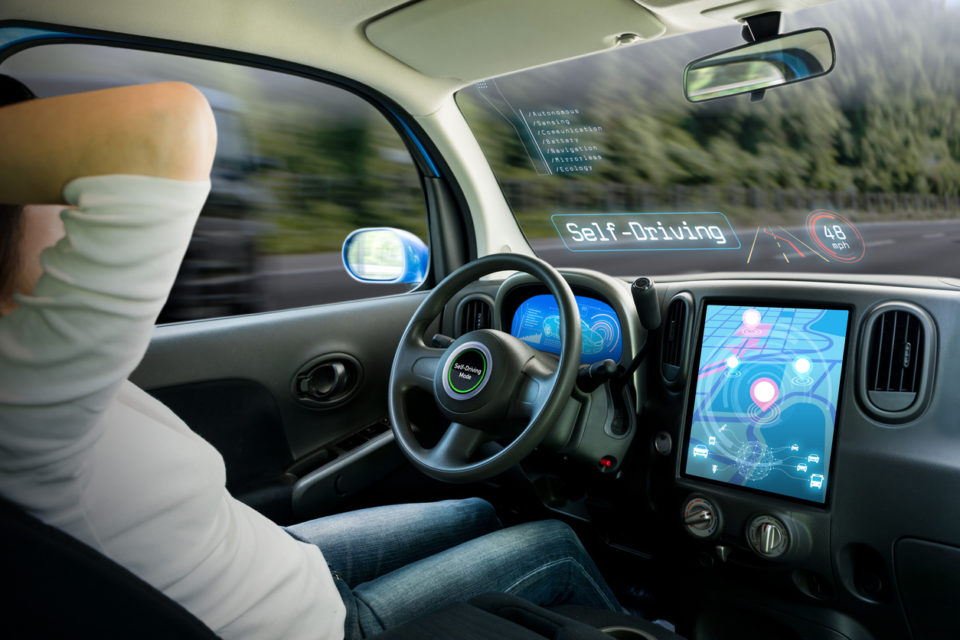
[785, 59]
[385, 255]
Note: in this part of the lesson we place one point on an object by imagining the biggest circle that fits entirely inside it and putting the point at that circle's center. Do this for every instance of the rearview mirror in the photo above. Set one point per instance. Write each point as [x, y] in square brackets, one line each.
[773, 62]
[385, 255]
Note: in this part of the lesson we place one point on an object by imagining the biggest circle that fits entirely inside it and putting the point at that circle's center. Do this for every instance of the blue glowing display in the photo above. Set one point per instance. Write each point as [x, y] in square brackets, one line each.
[765, 401]
[537, 322]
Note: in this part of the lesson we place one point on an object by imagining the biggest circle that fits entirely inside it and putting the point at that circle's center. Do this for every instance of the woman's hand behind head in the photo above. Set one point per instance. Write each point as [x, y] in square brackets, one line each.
[163, 130]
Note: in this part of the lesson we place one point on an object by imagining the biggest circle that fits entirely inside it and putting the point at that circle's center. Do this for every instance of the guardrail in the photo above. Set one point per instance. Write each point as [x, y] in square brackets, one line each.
[577, 196]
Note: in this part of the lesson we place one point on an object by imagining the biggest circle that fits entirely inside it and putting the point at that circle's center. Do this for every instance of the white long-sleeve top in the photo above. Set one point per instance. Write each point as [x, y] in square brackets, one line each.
[88, 452]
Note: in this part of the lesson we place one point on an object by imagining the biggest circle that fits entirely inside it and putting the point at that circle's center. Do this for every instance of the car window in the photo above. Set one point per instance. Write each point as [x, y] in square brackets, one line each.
[300, 164]
[606, 165]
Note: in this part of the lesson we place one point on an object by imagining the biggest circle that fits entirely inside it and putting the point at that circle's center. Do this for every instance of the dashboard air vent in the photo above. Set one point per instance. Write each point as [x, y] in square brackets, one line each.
[894, 360]
[475, 314]
[674, 330]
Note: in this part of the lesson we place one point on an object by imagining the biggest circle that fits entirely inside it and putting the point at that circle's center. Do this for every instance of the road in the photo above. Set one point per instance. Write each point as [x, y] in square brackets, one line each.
[895, 248]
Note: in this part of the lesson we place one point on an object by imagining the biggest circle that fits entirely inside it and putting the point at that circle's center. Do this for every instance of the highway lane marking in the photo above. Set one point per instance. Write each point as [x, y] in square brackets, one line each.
[753, 245]
[783, 253]
[932, 235]
[779, 238]
[880, 243]
[803, 243]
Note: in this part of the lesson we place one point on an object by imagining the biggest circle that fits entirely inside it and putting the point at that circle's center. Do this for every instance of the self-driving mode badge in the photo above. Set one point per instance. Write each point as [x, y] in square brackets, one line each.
[468, 371]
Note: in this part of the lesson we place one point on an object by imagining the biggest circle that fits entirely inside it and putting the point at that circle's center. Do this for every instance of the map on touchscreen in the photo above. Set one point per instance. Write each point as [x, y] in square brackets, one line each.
[765, 401]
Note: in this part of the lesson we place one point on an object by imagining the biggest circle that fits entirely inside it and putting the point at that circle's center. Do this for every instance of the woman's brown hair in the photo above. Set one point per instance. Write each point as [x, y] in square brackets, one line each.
[11, 92]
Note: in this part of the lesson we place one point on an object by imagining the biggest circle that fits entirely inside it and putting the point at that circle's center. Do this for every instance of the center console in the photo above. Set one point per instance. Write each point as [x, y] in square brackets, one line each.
[761, 414]
[760, 426]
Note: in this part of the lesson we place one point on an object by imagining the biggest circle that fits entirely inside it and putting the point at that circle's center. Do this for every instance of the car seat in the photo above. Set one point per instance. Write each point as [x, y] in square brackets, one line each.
[59, 587]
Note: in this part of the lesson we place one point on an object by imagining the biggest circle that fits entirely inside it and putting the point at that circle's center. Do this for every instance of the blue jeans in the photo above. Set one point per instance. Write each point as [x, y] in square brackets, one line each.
[398, 562]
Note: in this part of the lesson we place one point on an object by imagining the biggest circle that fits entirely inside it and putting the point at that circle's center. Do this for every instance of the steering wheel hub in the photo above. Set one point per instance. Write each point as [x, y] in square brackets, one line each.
[477, 378]
[467, 371]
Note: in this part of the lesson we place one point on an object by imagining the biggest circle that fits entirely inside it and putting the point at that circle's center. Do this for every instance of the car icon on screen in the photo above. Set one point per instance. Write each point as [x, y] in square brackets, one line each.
[700, 451]
[816, 481]
[802, 466]
[813, 458]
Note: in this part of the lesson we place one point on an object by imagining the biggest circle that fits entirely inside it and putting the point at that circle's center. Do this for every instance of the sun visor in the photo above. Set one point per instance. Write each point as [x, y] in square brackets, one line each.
[473, 40]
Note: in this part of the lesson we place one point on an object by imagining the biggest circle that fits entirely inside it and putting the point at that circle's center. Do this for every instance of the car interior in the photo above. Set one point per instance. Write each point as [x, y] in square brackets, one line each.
[762, 443]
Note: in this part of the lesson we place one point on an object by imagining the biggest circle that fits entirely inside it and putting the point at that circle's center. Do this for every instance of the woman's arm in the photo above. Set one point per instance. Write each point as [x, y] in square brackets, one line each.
[163, 130]
[134, 164]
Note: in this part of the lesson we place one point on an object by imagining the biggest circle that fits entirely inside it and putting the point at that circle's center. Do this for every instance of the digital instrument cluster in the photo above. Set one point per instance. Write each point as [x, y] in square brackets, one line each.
[537, 322]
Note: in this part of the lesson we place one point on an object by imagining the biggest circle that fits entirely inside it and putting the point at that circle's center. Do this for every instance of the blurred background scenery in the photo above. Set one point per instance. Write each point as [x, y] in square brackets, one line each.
[877, 141]
[301, 164]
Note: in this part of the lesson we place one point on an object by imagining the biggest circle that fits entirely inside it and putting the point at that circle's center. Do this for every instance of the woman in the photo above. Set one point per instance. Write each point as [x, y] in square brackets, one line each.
[85, 450]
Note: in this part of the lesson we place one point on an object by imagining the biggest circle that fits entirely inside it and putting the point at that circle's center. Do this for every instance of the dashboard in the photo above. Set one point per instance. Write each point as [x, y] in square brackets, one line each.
[794, 436]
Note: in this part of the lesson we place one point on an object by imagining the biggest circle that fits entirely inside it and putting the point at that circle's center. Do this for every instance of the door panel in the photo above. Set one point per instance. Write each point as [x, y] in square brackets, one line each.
[232, 380]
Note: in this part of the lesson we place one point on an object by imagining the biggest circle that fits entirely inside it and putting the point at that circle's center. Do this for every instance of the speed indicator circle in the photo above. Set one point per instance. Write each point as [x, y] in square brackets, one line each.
[835, 236]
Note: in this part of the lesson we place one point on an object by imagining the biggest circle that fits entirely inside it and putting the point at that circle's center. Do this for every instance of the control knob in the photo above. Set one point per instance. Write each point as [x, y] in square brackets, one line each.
[700, 518]
[768, 536]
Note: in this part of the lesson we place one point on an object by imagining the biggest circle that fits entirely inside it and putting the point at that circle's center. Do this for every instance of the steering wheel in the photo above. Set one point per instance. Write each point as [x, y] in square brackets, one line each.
[490, 385]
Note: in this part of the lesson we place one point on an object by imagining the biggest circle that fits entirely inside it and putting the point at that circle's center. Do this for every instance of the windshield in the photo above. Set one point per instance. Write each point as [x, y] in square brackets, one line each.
[606, 165]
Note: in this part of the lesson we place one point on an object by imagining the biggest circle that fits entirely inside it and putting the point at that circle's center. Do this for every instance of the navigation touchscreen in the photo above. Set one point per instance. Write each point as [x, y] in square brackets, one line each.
[765, 401]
